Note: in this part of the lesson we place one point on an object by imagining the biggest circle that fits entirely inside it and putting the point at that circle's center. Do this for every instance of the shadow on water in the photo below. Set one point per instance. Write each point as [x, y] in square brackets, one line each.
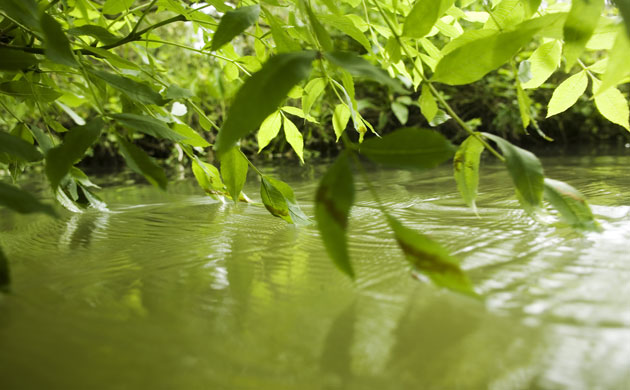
[174, 290]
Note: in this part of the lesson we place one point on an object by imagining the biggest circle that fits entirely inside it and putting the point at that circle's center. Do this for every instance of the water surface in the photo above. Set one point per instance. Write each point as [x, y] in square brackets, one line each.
[177, 291]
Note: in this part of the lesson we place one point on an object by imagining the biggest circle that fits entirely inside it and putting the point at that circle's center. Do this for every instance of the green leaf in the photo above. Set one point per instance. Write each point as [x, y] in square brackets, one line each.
[298, 112]
[624, 10]
[333, 200]
[312, 91]
[261, 95]
[409, 147]
[617, 68]
[56, 43]
[175, 92]
[544, 61]
[18, 148]
[234, 23]
[293, 137]
[234, 172]
[192, 137]
[135, 90]
[148, 125]
[401, 112]
[273, 200]
[525, 170]
[60, 159]
[25, 90]
[21, 201]
[269, 130]
[466, 169]
[320, 32]
[283, 42]
[613, 106]
[112, 7]
[579, 27]
[431, 259]
[340, 119]
[423, 16]
[208, 177]
[567, 93]
[13, 60]
[524, 105]
[345, 25]
[571, 205]
[24, 12]
[102, 34]
[138, 161]
[358, 66]
[428, 106]
[5, 276]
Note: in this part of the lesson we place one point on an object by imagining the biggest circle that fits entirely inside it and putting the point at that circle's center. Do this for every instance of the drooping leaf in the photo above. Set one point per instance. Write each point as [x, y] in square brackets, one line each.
[466, 169]
[613, 106]
[138, 161]
[431, 259]
[525, 170]
[401, 112]
[544, 61]
[18, 148]
[13, 60]
[112, 7]
[135, 90]
[60, 159]
[409, 147]
[360, 67]
[21, 201]
[273, 200]
[312, 91]
[524, 105]
[234, 23]
[579, 27]
[148, 125]
[22, 89]
[571, 204]
[101, 34]
[423, 16]
[269, 130]
[5, 276]
[320, 32]
[208, 177]
[234, 172]
[192, 137]
[617, 68]
[56, 43]
[293, 137]
[428, 106]
[340, 119]
[345, 24]
[333, 200]
[261, 95]
[567, 93]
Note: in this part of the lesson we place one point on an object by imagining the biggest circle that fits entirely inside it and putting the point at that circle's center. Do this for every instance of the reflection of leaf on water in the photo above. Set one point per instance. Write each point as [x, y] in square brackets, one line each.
[5, 279]
[336, 357]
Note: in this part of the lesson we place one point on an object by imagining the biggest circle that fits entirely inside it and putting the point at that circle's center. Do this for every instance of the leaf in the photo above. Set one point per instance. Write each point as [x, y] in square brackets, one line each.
[13, 60]
[138, 161]
[56, 44]
[261, 95]
[333, 200]
[208, 177]
[175, 92]
[409, 147]
[148, 125]
[101, 34]
[298, 112]
[269, 130]
[60, 159]
[283, 42]
[279, 200]
[544, 61]
[340, 119]
[135, 90]
[24, 12]
[18, 148]
[25, 90]
[192, 137]
[313, 90]
[579, 27]
[428, 106]
[345, 25]
[112, 7]
[5, 276]
[423, 16]
[617, 68]
[431, 259]
[613, 106]
[567, 93]
[624, 10]
[234, 172]
[401, 112]
[571, 205]
[358, 66]
[320, 32]
[234, 23]
[466, 169]
[21, 201]
[525, 170]
[293, 137]
[524, 104]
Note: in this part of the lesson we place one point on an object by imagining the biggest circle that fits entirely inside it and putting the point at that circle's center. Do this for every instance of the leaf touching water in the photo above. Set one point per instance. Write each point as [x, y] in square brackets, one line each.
[466, 169]
[333, 200]
[279, 200]
[431, 259]
[571, 205]
[409, 147]
[234, 172]
[233, 23]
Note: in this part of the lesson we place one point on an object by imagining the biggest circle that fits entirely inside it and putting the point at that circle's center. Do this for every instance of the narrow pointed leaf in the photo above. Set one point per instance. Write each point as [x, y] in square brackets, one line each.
[56, 43]
[431, 259]
[544, 61]
[234, 23]
[345, 24]
[142, 164]
[293, 137]
[423, 16]
[340, 119]
[234, 172]
[135, 90]
[261, 95]
[13, 60]
[466, 169]
[61, 158]
[18, 148]
[571, 204]
[269, 129]
[613, 106]
[579, 27]
[333, 200]
[102, 34]
[312, 91]
[525, 170]
[409, 147]
[320, 32]
[567, 93]
[358, 66]
[148, 125]
[22, 89]
[21, 201]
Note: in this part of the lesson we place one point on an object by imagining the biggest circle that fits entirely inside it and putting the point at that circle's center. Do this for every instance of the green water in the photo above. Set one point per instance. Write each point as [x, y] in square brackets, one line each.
[177, 291]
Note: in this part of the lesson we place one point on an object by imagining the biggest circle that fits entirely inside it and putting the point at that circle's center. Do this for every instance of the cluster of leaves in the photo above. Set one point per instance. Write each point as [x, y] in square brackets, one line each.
[93, 72]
